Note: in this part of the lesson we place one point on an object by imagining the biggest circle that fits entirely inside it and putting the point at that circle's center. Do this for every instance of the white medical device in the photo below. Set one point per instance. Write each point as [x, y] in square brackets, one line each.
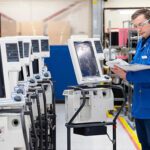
[100, 100]
[89, 74]
[35, 54]
[44, 50]
[24, 43]
[9, 66]
[45, 74]
[11, 132]
[14, 125]
[44, 53]
[40, 50]
[12, 95]
[86, 65]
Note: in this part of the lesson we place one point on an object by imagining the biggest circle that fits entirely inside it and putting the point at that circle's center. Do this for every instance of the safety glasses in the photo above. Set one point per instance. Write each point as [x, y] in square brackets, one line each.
[140, 25]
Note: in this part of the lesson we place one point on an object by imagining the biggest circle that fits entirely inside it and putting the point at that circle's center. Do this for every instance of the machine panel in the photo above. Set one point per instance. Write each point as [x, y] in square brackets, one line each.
[35, 46]
[86, 58]
[21, 48]
[12, 52]
[44, 45]
[26, 49]
[98, 47]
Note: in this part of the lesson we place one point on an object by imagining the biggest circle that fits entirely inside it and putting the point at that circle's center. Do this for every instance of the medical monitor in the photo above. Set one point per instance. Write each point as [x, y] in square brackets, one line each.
[24, 44]
[44, 46]
[86, 58]
[26, 49]
[85, 62]
[20, 44]
[99, 49]
[10, 65]
[98, 46]
[12, 52]
[35, 46]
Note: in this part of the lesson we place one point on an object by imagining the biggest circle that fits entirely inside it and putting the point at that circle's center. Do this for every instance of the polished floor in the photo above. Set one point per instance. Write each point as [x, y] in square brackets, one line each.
[101, 142]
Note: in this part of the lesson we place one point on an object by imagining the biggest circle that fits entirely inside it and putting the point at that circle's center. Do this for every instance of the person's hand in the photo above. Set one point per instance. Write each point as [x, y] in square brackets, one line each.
[118, 71]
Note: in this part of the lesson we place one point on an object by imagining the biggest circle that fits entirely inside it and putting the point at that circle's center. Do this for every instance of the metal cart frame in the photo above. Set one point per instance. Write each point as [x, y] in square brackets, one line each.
[70, 125]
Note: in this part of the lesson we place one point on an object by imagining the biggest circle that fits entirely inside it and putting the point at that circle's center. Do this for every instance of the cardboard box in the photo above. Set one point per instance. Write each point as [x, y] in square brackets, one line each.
[58, 31]
[8, 26]
[31, 28]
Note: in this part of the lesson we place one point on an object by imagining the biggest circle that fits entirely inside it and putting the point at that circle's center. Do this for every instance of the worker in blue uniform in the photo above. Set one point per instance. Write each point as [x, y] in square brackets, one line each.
[140, 79]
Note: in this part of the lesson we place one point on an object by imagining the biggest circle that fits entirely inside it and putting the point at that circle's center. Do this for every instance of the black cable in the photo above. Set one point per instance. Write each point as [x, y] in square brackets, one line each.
[125, 100]
[80, 108]
[46, 122]
[53, 128]
[40, 120]
[53, 95]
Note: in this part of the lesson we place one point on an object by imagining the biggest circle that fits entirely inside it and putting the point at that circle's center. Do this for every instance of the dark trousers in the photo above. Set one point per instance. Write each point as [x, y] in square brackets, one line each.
[143, 132]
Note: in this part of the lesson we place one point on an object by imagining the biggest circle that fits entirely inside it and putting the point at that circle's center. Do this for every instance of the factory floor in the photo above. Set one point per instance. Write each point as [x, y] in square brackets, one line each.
[126, 137]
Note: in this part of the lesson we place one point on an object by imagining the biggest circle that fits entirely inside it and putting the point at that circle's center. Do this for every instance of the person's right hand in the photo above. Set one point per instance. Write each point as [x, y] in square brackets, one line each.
[120, 72]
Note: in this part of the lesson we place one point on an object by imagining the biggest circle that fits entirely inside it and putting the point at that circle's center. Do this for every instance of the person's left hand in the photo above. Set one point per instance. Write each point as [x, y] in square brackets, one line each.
[118, 71]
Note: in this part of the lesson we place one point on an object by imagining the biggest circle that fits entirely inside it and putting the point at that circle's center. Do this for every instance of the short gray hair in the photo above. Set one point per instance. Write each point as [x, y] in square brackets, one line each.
[143, 11]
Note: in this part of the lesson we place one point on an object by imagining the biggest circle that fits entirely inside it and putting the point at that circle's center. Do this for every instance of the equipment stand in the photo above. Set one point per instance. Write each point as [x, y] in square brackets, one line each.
[99, 125]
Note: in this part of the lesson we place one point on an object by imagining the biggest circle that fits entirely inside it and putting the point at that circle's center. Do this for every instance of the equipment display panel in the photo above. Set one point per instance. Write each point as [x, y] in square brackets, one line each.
[44, 45]
[26, 49]
[35, 46]
[98, 46]
[20, 43]
[12, 52]
[85, 62]
[86, 58]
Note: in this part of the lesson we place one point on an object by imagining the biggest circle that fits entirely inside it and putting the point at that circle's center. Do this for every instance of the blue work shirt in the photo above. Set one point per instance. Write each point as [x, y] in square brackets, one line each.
[141, 81]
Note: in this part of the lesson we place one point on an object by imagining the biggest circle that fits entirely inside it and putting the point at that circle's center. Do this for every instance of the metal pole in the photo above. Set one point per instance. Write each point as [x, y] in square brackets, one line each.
[114, 136]
[68, 139]
[110, 40]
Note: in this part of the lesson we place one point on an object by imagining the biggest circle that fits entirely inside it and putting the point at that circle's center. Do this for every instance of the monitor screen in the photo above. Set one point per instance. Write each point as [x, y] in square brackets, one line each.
[35, 46]
[98, 46]
[86, 58]
[26, 49]
[20, 43]
[12, 52]
[44, 45]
